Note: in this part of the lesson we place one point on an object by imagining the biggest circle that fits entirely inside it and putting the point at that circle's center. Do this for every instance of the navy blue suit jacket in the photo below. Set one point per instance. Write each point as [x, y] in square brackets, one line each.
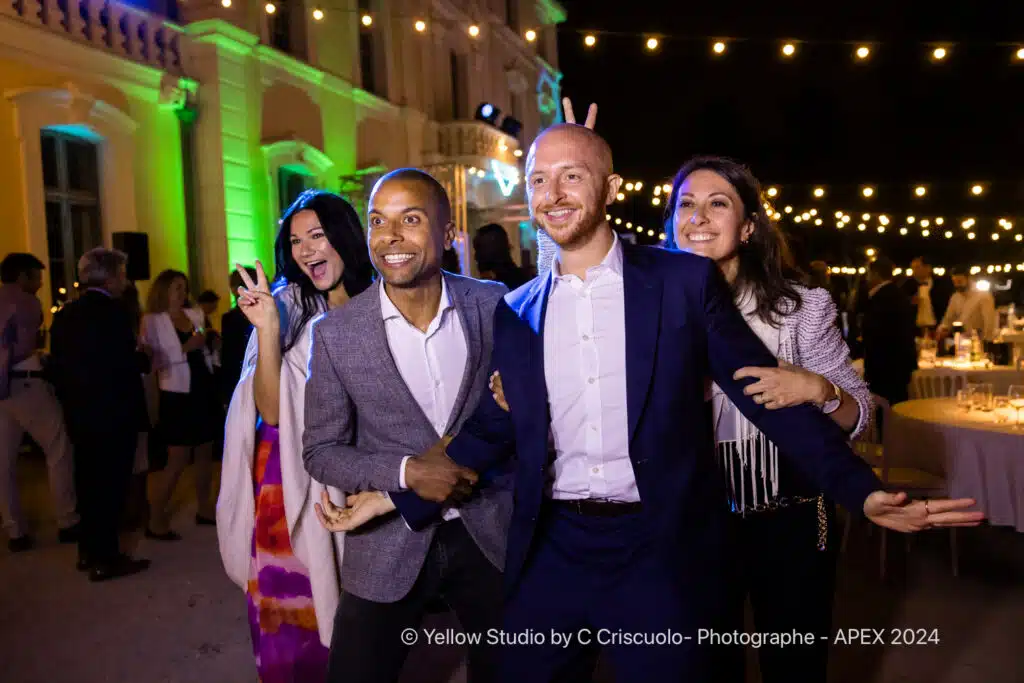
[681, 329]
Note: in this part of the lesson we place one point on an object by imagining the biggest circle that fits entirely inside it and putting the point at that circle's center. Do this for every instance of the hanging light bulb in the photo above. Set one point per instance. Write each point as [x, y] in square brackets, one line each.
[367, 20]
[420, 26]
[718, 48]
[270, 8]
[530, 36]
[474, 30]
[590, 40]
[318, 14]
[652, 44]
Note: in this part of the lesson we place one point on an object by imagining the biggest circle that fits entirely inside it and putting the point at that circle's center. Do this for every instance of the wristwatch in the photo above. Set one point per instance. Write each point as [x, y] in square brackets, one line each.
[833, 403]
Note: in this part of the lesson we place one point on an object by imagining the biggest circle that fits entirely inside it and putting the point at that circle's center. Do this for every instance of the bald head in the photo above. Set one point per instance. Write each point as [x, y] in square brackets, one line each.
[426, 186]
[572, 140]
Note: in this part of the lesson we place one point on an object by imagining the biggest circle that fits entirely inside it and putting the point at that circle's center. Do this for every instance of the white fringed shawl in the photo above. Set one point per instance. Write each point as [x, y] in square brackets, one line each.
[318, 550]
[742, 449]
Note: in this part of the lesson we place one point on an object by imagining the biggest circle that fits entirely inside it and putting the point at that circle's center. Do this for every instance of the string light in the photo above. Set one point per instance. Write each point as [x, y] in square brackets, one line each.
[940, 220]
[1019, 54]
[318, 14]
[590, 41]
[620, 196]
[920, 190]
[618, 221]
[225, 3]
[863, 52]
[911, 219]
[270, 8]
[629, 187]
[630, 225]
[904, 231]
[773, 191]
[788, 209]
[939, 53]
[925, 223]
[638, 186]
[817, 221]
[718, 48]
[995, 237]
[971, 235]
[656, 202]
[530, 36]
[867, 191]
[788, 50]
[474, 30]
[367, 20]
[652, 44]
[819, 192]
[925, 233]
[657, 190]
[976, 190]
[666, 188]
[881, 229]
[883, 219]
[862, 227]
[865, 216]
[949, 234]
[518, 153]
[420, 26]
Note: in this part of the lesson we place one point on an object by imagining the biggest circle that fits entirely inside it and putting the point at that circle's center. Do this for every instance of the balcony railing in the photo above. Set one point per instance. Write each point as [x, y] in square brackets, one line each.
[476, 139]
[109, 25]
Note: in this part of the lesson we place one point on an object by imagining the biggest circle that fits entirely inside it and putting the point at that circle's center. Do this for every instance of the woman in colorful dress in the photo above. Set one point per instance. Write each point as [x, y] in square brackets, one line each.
[270, 542]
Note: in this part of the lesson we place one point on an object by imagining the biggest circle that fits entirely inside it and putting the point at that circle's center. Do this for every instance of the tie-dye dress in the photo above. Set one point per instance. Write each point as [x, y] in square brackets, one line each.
[285, 638]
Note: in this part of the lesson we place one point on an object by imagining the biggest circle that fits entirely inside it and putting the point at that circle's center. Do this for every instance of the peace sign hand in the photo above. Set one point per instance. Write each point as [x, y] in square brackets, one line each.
[570, 117]
[255, 300]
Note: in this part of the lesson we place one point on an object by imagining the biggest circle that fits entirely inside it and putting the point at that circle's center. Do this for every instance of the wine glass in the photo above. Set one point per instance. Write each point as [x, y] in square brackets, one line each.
[983, 398]
[1016, 395]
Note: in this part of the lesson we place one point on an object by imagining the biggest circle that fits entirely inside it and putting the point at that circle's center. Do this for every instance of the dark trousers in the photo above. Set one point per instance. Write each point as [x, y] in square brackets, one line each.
[791, 586]
[594, 581]
[368, 647]
[103, 472]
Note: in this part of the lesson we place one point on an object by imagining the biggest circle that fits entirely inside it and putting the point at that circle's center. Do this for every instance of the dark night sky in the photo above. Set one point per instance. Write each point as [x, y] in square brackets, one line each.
[820, 118]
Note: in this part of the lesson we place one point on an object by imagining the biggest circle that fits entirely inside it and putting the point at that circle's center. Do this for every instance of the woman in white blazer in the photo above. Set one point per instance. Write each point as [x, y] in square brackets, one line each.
[270, 541]
[190, 416]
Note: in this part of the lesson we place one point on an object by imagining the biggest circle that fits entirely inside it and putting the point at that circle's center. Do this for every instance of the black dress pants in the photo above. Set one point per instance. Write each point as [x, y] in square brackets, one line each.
[103, 471]
[368, 644]
[791, 586]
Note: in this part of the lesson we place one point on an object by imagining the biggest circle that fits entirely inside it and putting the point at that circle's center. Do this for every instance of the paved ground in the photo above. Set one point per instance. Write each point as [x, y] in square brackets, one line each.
[183, 622]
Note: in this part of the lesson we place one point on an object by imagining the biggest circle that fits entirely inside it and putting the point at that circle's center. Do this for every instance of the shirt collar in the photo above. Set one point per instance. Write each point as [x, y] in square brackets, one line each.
[390, 312]
[612, 262]
[874, 290]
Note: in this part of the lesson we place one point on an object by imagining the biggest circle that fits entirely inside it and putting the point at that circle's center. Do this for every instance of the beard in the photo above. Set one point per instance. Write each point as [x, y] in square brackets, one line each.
[570, 235]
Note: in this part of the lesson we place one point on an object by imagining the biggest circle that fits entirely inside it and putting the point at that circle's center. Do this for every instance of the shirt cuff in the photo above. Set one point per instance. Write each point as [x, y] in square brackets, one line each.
[401, 474]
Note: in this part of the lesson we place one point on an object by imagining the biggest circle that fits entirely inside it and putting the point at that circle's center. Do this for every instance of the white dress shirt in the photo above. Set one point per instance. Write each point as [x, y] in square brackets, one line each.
[585, 373]
[431, 363]
[976, 310]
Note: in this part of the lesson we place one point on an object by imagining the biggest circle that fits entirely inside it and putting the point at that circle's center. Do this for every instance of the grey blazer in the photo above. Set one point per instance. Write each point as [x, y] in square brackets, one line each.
[361, 420]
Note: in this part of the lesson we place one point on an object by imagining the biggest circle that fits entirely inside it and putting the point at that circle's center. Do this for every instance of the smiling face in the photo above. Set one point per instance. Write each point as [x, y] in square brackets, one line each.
[709, 217]
[409, 230]
[313, 252]
[569, 184]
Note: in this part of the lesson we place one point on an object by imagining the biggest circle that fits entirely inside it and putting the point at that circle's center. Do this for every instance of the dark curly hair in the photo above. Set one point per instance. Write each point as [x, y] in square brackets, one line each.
[766, 265]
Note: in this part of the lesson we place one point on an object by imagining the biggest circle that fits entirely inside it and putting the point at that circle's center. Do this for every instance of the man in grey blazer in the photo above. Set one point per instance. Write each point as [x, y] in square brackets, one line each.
[391, 373]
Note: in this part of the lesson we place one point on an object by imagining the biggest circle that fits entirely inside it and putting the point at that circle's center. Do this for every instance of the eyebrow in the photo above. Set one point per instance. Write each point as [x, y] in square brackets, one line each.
[690, 194]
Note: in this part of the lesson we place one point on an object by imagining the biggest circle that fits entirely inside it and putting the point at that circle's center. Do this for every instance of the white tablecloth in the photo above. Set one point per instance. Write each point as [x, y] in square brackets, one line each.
[978, 458]
[999, 376]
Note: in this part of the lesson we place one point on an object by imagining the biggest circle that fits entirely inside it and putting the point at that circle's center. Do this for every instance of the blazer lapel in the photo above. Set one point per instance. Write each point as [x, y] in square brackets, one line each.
[642, 298]
[377, 346]
[466, 307]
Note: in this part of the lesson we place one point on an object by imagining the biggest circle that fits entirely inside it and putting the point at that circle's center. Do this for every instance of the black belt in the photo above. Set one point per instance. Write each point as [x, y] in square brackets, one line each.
[598, 508]
[28, 374]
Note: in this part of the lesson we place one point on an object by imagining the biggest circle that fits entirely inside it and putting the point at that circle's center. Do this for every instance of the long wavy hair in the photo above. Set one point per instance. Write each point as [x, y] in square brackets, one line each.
[344, 232]
[158, 300]
[766, 265]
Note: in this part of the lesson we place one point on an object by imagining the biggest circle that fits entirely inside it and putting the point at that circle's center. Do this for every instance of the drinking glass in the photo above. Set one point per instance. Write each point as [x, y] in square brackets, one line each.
[1001, 409]
[983, 398]
[1016, 395]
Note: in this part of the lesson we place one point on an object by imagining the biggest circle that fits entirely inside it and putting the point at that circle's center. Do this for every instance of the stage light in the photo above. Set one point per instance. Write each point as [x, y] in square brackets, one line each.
[530, 36]
[590, 41]
[420, 25]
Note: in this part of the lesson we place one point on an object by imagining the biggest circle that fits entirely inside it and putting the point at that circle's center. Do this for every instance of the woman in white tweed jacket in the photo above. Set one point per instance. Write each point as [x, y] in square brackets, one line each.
[787, 531]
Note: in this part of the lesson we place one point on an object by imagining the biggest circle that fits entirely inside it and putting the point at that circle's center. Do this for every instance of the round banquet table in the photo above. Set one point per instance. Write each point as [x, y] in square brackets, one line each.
[978, 458]
[1001, 377]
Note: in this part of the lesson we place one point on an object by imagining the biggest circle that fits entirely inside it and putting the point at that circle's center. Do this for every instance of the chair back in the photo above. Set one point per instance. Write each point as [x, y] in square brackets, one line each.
[937, 384]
